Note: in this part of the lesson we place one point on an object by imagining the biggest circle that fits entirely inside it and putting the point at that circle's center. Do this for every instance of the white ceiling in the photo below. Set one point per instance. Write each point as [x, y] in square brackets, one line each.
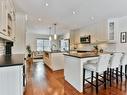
[60, 12]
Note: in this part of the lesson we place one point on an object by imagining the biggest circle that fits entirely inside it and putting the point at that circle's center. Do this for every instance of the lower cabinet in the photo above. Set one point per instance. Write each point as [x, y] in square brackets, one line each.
[55, 61]
[11, 80]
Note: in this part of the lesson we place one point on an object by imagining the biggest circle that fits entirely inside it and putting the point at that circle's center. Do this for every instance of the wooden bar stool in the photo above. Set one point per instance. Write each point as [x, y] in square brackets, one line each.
[99, 67]
[123, 66]
[114, 66]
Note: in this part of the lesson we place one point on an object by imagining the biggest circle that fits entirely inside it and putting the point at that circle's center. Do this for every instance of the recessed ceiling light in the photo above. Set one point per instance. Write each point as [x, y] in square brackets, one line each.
[92, 18]
[46, 4]
[39, 19]
[73, 12]
[26, 17]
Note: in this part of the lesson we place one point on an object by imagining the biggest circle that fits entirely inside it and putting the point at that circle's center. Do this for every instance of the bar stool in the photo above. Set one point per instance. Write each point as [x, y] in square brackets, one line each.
[99, 67]
[114, 66]
[123, 66]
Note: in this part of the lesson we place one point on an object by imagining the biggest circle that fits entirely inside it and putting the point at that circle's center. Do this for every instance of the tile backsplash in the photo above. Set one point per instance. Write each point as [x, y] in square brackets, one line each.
[2, 46]
[105, 46]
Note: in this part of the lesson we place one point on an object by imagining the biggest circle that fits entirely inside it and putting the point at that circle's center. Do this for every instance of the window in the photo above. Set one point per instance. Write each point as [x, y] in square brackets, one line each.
[43, 45]
[65, 45]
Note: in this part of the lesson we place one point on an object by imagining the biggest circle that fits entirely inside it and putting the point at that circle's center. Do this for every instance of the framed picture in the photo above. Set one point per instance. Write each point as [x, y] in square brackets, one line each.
[123, 37]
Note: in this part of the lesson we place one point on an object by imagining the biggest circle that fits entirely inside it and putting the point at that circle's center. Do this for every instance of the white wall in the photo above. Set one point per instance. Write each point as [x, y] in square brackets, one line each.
[66, 35]
[122, 47]
[20, 35]
[31, 39]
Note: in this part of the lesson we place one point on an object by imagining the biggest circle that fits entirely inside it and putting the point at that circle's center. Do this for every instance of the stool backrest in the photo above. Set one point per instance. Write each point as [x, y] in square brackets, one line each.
[103, 62]
[124, 59]
[116, 60]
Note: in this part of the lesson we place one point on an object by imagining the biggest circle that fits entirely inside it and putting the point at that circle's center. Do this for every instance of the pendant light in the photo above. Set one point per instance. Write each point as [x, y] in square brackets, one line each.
[55, 36]
[50, 36]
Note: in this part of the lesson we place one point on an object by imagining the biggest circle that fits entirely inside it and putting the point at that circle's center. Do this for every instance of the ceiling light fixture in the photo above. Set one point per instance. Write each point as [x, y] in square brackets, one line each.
[46, 4]
[26, 17]
[73, 12]
[55, 36]
[92, 18]
[39, 19]
[50, 36]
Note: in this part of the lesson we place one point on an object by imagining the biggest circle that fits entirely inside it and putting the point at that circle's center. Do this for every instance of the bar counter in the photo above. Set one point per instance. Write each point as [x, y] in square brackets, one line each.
[11, 60]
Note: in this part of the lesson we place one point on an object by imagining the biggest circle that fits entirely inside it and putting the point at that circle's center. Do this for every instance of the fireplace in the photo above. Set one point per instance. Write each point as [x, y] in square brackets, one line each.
[8, 47]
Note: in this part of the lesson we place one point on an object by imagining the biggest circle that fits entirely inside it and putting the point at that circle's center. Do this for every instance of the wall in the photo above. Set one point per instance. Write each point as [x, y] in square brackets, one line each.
[31, 39]
[122, 47]
[66, 35]
[2, 46]
[20, 35]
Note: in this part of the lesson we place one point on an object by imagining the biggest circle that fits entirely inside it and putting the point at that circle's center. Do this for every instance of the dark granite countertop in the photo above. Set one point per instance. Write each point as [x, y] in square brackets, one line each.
[82, 55]
[11, 60]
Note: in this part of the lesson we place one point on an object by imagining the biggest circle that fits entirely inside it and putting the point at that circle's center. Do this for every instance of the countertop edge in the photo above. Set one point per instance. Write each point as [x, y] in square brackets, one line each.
[80, 56]
[9, 65]
[12, 60]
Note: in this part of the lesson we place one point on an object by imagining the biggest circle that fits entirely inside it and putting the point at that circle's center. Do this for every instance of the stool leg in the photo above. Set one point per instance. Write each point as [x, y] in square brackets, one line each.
[110, 77]
[126, 71]
[117, 75]
[105, 79]
[92, 76]
[121, 71]
[83, 80]
[113, 72]
[107, 72]
[96, 82]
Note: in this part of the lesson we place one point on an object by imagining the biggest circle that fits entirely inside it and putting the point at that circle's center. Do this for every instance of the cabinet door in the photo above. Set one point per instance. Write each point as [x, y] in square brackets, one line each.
[112, 28]
[10, 19]
[4, 18]
[11, 80]
[0, 15]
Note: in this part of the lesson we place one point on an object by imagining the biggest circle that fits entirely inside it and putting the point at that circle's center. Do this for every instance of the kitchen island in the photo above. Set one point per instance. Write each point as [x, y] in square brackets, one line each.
[11, 74]
[54, 60]
[73, 68]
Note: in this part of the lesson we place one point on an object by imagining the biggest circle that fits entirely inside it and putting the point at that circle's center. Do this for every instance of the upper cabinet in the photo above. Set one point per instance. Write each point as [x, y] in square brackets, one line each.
[112, 30]
[7, 20]
[104, 31]
[0, 14]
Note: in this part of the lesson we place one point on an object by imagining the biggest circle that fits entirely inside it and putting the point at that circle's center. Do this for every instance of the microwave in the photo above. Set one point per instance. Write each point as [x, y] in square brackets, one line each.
[85, 39]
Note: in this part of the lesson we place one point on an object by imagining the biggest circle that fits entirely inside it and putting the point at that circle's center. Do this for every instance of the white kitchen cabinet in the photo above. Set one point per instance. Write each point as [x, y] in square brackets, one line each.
[104, 31]
[7, 29]
[11, 80]
[11, 19]
[55, 61]
[4, 19]
[0, 14]
[112, 30]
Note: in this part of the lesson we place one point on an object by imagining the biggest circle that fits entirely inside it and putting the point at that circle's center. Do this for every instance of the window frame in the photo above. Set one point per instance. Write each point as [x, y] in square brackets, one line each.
[43, 46]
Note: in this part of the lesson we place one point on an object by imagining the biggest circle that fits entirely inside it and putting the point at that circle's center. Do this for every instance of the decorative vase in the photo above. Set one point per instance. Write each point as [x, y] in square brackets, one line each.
[101, 50]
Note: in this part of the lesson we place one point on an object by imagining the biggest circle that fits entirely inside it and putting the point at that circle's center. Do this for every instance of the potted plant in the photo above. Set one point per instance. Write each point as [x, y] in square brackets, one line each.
[96, 48]
[28, 48]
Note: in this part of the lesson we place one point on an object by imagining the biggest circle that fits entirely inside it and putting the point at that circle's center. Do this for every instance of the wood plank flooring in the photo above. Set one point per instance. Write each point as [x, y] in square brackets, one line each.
[42, 81]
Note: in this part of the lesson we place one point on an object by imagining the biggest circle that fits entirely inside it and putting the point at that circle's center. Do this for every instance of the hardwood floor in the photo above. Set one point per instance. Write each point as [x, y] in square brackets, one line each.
[42, 81]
